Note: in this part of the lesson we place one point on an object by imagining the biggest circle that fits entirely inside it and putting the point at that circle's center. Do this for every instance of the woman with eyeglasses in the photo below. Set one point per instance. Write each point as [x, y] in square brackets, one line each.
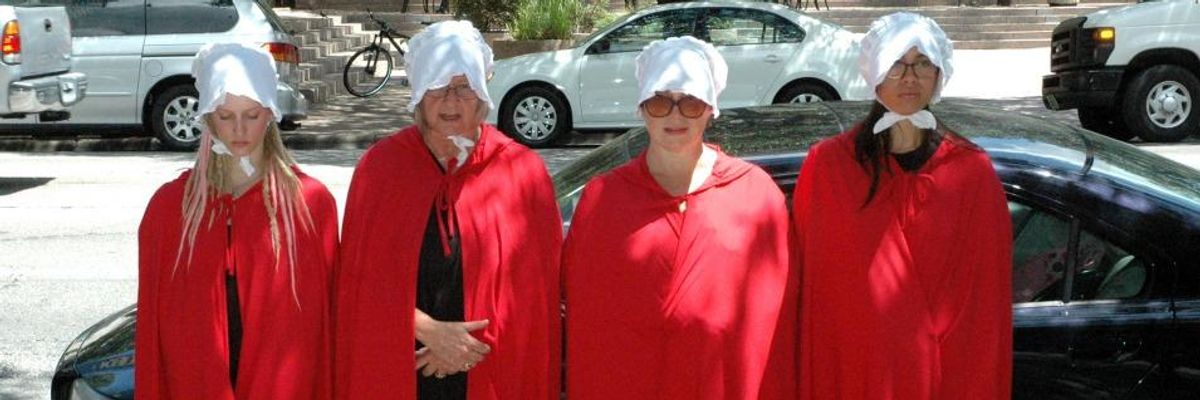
[677, 278]
[448, 284]
[904, 241]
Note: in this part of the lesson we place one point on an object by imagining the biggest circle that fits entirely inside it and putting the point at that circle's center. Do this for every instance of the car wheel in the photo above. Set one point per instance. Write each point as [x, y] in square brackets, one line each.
[535, 116]
[1104, 121]
[804, 92]
[1160, 104]
[172, 117]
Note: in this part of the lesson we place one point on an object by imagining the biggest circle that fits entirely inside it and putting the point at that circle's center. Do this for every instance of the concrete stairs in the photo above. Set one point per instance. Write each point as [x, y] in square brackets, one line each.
[1021, 26]
[327, 42]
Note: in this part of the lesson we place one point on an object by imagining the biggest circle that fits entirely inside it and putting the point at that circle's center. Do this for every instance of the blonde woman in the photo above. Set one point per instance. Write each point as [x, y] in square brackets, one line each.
[236, 255]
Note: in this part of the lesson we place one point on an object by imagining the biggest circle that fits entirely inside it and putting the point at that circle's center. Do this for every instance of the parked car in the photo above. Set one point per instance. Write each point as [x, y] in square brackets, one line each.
[35, 62]
[138, 58]
[775, 54]
[1106, 271]
[1131, 71]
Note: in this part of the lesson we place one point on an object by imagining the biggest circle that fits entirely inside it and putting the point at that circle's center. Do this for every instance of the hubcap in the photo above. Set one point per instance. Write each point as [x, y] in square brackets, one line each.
[179, 119]
[535, 118]
[806, 98]
[1168, 104]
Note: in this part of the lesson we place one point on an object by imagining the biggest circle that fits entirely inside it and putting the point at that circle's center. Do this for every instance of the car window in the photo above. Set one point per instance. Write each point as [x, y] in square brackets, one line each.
[637, 34]
[91, 18]
[1106, 272]
[734, 26]
[190, 16]
[1039, 254]
[1103, 271]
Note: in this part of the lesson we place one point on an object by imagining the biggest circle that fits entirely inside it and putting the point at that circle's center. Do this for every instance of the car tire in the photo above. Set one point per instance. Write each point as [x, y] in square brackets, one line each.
[804, 92]
[172, 118]
[1159, 104]
[535, 116]
[1105, 121]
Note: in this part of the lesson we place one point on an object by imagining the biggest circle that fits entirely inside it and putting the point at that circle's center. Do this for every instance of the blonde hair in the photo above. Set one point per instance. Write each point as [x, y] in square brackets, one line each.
[281, 191]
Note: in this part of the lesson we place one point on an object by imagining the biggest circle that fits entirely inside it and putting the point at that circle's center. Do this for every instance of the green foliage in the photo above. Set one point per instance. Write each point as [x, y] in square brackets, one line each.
[487, 15]
[595, 16]
[546, 19]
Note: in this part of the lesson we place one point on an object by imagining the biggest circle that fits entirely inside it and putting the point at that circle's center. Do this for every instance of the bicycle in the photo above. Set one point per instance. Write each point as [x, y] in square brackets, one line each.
[367, 61]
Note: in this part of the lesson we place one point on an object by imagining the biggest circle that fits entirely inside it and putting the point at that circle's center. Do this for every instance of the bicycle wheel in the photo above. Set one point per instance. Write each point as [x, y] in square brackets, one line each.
[367, 71]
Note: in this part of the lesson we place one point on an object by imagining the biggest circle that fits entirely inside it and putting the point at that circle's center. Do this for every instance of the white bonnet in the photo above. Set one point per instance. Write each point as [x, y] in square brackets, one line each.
[235, 68]
[892, 35]
[683, 64]
[444, 50]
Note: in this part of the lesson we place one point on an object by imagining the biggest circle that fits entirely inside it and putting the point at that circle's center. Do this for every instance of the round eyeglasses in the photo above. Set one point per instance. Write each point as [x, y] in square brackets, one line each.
[923, 69]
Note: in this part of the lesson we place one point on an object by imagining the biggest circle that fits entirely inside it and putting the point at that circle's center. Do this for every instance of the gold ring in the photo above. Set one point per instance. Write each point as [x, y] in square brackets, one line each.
[440, 375]
[467, 365]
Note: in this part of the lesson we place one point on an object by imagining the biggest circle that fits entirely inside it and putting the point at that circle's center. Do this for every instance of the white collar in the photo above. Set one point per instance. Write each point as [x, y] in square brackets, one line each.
[921, 119]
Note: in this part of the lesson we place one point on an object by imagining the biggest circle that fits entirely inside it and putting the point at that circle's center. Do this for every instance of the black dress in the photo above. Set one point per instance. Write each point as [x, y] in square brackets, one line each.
[440, 295]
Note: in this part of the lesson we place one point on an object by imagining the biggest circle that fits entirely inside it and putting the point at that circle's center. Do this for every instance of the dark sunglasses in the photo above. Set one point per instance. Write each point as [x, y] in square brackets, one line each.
[660, 106]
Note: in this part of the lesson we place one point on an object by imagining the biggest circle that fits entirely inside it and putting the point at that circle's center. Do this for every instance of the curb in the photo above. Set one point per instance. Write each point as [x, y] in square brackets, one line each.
[320, 141]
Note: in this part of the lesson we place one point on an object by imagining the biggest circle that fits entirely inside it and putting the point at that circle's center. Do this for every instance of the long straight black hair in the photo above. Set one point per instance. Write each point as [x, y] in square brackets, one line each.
[871, 150]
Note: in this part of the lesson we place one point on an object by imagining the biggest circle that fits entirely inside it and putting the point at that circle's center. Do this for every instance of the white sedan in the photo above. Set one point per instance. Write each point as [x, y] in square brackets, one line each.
[775, 54]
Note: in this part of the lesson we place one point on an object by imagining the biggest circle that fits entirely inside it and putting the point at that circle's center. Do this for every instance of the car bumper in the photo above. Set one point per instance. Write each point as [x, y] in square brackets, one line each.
[291, 102]
[1081, 88]
[50, 93]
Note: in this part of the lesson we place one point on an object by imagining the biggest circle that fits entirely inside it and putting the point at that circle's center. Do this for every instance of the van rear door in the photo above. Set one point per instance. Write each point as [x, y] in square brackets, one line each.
[45, 40]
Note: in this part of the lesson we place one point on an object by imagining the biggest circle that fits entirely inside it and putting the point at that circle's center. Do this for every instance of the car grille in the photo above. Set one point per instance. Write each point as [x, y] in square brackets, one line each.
[1064, 43]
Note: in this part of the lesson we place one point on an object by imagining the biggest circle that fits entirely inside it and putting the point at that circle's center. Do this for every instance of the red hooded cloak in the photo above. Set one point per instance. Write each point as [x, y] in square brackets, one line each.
[511, 236]
[182, 340]
[908, 297]
[663, 304]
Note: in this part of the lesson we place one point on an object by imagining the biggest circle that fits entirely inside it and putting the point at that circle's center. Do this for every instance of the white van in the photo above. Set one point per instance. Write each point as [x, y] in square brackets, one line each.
[137, 55]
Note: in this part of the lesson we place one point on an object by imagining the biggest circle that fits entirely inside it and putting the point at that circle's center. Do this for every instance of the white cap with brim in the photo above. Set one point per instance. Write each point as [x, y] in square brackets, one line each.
[893, 35]
[235, 68]
[445, 50]
[682, 64]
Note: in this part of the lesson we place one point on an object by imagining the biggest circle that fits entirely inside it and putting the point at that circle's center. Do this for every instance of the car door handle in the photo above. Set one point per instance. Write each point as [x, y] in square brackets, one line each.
[771, 58]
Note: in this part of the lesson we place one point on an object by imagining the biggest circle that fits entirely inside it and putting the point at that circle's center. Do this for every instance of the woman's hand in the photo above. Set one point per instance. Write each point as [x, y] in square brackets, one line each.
[431, 366]
[449, 346]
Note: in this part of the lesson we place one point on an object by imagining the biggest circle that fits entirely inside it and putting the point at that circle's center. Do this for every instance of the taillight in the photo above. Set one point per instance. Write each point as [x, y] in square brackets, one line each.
[10, 43]
[283, 52]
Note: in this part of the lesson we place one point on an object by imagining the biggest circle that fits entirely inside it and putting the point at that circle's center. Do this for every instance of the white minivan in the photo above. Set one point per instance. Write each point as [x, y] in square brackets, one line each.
[137, 55]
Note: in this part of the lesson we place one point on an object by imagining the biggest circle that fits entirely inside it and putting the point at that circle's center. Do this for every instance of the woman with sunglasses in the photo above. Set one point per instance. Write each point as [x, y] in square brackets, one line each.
[677, 279]
[448, 286]
[904, 239]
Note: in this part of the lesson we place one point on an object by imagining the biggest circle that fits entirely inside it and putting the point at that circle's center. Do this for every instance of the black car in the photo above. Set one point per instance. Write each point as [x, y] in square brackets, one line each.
[1106, 263]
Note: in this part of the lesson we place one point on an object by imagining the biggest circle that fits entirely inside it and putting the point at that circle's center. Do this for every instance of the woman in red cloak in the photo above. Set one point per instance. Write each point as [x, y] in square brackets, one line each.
[676, 268]
[236, 256]
[905, 242]
[450, 248]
